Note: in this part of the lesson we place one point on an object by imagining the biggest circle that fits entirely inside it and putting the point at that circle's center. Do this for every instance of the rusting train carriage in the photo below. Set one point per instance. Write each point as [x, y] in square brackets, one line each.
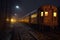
[48, 15]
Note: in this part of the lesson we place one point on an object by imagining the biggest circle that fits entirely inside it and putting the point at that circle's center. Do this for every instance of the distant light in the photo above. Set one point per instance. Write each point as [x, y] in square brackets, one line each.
[13, 20]
[54, 14]
[17, 7]
[7, 19]
[41, 13]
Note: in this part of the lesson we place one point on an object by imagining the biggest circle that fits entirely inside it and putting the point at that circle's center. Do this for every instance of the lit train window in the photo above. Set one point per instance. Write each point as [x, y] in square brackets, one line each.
[34, 16]
[54, 14]
[41, 13]
[46, 13]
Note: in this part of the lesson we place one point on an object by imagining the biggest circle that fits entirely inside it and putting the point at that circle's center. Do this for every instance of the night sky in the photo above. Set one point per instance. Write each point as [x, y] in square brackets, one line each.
[27, 6]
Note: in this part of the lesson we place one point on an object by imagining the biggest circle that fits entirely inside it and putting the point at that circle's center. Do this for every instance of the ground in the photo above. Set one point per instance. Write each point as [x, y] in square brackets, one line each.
[22, 31]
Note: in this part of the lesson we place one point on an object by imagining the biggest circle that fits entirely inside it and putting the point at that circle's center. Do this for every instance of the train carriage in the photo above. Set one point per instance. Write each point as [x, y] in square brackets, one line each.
[48, 15]
[45, 15]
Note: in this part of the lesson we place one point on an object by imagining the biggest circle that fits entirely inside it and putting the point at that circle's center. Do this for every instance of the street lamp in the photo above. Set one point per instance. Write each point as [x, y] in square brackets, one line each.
[17, 7]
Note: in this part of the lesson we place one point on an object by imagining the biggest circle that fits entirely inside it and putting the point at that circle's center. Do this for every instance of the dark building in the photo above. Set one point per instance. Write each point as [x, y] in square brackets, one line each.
[5, 11]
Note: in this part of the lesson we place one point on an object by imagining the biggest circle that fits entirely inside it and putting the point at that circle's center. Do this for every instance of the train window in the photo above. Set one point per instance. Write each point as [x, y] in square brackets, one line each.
[41, 13]
[34, 16]
[46, 13]
[54, 14]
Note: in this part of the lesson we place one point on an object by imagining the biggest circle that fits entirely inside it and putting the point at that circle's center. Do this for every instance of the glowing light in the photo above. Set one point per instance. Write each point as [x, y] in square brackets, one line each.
[7, 19]
[34, 15]
[41, 13]
[46, 13]
[54, 14]
[13, 20]
[17, 6]
[26, 20]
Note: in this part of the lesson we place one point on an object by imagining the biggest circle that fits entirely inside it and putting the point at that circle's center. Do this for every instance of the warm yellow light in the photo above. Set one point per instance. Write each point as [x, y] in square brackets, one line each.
[41, 13]
[54, 14]
[46, 13]
[34, 15]
[7, 19]
[13, 20]
[22, 20]
[26, 20]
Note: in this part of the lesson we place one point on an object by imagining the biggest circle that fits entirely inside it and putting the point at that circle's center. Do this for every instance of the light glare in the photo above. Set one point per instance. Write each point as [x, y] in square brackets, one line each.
[41, 13]
[54, 14]
[13, 20]
[46, 13]
[17, 6]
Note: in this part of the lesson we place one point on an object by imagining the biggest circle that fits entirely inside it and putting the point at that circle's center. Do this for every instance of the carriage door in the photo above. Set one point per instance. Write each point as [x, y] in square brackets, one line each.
[54, 16]
[41, 16]
[55, 20]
